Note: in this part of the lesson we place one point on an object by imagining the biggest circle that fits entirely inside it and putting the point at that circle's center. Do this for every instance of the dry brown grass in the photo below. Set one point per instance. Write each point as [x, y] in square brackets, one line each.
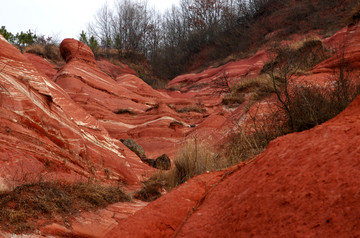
[301, 56]
[20, 208]
[355, 15]
[192, 108]
[192, 159]
[49, 51]
[256, 88]
[233, 99]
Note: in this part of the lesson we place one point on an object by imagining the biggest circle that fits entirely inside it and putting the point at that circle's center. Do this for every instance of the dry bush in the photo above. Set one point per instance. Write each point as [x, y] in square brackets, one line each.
[233, 99]
[355, 15]
[52, 52]
[295, 58]
[258, 88]
[253, 137]
[192, 108]
[192, 159]
[244, 146]
[49, 51]
[155, 83]
[286, 63]
[36, 49]
[306, 106]
[21, 207]
[311, 106]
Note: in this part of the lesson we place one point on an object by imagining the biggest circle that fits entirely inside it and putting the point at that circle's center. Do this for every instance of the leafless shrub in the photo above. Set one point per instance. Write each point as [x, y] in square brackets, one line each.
[20, 208]
[355, 15]
[192, 159]
[256, 88]
[307, 106]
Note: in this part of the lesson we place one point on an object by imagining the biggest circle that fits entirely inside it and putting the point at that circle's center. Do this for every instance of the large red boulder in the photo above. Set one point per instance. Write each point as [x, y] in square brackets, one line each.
[71, 49]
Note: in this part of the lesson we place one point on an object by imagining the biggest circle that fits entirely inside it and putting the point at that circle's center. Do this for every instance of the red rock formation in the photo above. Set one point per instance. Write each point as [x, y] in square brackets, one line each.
[232, 72]
[42, 65]
[114, 70]
[304, 184]
[46, 135]
[126, 106]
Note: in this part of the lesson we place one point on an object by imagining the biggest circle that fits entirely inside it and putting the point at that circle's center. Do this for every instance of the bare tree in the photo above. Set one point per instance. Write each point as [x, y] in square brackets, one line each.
[283, 66]
[131, 23]
[101, 27]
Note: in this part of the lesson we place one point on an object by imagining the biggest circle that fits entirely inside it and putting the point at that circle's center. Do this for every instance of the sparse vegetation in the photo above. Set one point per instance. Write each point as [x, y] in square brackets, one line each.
[49, 51]
[233, 99]
[304, 106]
[197, 33]
[174, 124]
[298, 107]
[20, 208]
[192, 159]
[256, 89]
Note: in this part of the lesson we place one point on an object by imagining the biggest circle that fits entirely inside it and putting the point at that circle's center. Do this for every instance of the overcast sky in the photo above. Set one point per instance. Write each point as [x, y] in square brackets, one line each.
[64, 18]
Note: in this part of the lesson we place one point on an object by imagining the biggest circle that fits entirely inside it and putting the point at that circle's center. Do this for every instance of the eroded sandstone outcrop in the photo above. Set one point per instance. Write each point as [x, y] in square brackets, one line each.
[126, 106]
[46, 135]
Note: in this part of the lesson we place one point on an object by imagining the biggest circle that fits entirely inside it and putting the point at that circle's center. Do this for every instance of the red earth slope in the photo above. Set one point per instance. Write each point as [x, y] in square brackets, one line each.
[304, 184]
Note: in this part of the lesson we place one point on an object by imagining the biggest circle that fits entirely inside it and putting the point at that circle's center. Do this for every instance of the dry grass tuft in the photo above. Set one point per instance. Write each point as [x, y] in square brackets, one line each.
[256, 88]
[49, 51]
[199, 108]
[21, 207]
[192, 159]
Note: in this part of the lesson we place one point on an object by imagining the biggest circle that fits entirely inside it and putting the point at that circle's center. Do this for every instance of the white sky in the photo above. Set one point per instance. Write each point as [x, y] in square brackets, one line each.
[64, 18]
